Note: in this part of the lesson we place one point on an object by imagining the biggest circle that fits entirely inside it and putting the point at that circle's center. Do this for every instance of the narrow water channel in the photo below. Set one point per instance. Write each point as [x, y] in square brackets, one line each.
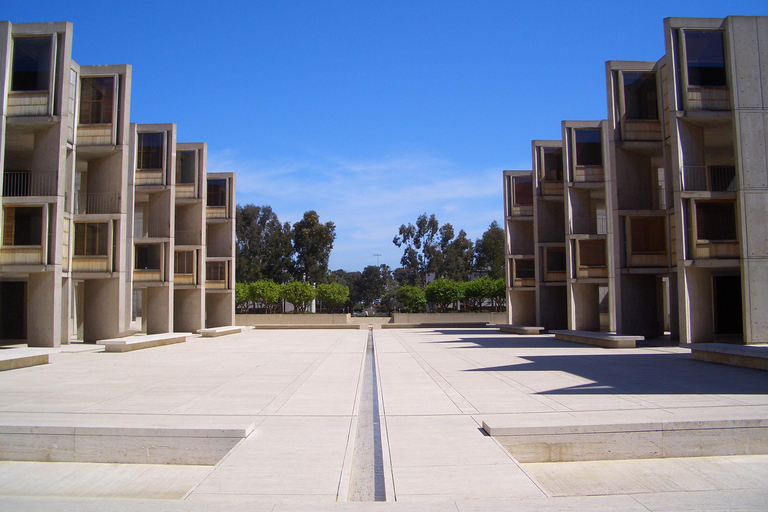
[367, 478]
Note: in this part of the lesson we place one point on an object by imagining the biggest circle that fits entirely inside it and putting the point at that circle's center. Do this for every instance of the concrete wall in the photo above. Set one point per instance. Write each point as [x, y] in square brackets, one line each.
[291, 319]
[449, 318]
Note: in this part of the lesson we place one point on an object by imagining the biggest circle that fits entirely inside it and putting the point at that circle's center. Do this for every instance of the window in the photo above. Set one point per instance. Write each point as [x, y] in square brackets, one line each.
[184, 262]
[555, 259]
[588, 147]
[151, 150]
[553, 164]
[91, 238]
[147, 257]
[217, 192]
[648, 235]
[97, 100]
[185, 167]
[716, 221]
[525, 269]
[23, 225]
[640, 96]
[591, 253]
[216, 271]
[706, 58]
[522, 190]
[31, 63]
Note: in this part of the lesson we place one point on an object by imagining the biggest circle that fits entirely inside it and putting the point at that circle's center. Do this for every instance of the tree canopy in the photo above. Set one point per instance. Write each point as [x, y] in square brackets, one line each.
[312, 245]
[263, 245]
[489, 252]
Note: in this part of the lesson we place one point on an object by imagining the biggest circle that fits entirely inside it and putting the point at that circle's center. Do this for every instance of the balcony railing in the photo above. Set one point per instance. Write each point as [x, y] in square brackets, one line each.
[589, 225]
[26, 184]
[149, 229]
[713, 178]
[96, 203]
[187, 237]
[218, 250]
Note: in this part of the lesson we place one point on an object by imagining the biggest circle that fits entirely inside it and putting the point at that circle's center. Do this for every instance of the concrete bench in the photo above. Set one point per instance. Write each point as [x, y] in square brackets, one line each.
[746, 356]
[143, 341]
[636, 434]
[521, 329]
[600, 339]
[13, 358]
[213, 332]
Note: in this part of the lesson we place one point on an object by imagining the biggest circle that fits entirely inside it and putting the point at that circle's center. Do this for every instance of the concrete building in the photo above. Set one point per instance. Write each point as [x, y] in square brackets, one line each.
[520, 247]
[90, 203]
[663, 204]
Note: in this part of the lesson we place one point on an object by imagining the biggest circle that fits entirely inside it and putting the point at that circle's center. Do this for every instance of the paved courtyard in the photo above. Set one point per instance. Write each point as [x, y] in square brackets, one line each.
[297, 394]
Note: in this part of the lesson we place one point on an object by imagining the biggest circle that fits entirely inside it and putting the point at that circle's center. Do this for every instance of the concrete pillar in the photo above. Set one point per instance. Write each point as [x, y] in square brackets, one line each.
[44, 310]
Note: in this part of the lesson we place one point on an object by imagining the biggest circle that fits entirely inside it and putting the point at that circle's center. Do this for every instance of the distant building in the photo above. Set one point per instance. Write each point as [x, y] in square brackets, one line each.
[654, 220]
[105, 225]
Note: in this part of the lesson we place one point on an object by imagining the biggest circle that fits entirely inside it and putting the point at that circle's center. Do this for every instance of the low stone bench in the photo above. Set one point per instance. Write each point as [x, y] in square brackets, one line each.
[640, 434]
[213, 332]
[143, 341]
[446, 325]
[746, 356]
[521, 329]
[13, 358]
[600, 339]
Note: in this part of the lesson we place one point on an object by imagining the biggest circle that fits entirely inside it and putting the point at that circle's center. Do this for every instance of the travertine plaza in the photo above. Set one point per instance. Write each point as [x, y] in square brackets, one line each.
[653, 220]
[112, 229]
[108, 227]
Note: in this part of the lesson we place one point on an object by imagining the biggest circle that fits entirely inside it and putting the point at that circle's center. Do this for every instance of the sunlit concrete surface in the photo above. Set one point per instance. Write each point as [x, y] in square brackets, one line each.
[293, 397]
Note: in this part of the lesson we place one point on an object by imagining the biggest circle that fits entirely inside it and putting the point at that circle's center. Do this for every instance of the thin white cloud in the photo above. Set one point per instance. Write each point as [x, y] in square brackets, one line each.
[368, 200]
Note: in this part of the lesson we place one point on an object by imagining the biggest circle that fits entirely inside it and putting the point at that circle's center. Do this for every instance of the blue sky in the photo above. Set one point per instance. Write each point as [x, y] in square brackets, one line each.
[369, 112]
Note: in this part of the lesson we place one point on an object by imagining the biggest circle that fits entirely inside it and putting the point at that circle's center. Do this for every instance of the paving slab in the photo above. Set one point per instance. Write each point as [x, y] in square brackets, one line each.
[299, 391]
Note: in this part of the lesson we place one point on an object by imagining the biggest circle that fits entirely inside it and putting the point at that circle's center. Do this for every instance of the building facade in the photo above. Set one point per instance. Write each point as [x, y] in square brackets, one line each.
[93, 207]
[652, 222]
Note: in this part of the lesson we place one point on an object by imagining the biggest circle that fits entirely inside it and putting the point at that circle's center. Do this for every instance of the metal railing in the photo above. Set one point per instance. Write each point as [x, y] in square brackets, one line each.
[589, 225]
[95, 203]
[713, 178]
[148, 229]
[187, 237]
[27, 183]
[218, 250]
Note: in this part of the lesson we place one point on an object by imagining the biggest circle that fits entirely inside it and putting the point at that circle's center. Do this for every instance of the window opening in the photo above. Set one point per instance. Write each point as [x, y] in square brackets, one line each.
[31, 63]
[97, 100]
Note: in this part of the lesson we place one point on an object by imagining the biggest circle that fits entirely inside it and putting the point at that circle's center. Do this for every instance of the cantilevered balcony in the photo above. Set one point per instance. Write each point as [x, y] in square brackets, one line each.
[712, 178]
[29, 184]
[96, 203]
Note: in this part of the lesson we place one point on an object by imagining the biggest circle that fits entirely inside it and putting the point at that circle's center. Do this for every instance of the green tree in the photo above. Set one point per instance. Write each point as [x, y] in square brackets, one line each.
[333, 295]
[267, 293]
[489, 252]
[263, 245]
[458, 257]
[241, 297]
[312, 244]
[411, 299]
[443, 293]
[420, 246]
[499, 293]
[299, 294]
[475, 292]
[372, 284]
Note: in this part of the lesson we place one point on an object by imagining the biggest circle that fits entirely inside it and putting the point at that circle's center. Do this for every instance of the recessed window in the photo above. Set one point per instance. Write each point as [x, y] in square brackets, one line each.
[525, 268]
[640, 96]
[592, 253]
[553, 164]
[91, 238]
[184, 262]
[555, 259]
[147, 257]
[97, 100]
[31, 63]
[648, 235]
[216, 271]
[522, 190]
[185, 167]
[716, 221]
[706, 58]
[217, 192]
[588, 147]
[23, 225]
[151, 151]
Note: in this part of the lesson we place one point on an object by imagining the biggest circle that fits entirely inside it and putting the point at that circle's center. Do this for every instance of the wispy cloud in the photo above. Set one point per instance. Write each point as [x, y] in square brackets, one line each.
[368, 200]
